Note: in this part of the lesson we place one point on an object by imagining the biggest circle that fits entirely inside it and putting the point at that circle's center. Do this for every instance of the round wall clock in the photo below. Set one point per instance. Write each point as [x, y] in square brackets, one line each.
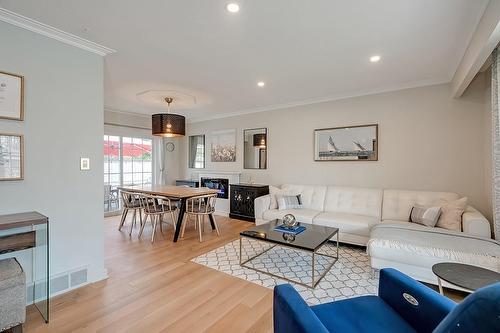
[170, 146]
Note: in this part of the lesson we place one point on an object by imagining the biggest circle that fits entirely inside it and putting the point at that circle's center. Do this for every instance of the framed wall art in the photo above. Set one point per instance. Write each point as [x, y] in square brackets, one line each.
[223, 146]
[351, 143]
[11, 156]
[11, 96]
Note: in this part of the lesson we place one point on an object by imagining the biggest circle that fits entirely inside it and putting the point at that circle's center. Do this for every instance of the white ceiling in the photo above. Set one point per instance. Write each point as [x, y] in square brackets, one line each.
[304, 50]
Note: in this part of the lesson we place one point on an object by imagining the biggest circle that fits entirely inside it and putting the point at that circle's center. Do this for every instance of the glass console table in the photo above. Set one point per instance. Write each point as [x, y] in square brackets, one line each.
[26, 237]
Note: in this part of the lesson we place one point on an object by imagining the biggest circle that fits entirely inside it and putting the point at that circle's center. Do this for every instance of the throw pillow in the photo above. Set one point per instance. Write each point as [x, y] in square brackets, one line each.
[427, 216]
[289, 202]
[451, 215]
[273, 192]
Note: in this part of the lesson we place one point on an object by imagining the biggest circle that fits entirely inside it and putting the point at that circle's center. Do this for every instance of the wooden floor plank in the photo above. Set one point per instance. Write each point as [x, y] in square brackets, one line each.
[155, 287]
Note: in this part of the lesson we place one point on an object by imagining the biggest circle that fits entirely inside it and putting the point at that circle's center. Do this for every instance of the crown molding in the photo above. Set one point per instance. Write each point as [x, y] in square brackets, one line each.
[51, 32]
[324, 99]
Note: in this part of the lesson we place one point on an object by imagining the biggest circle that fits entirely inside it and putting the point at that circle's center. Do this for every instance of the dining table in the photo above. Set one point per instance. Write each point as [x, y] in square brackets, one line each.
[179, 193]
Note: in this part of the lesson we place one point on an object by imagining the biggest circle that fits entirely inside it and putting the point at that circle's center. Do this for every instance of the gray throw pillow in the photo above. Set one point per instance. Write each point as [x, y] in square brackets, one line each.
[427, 216]
[289, 201]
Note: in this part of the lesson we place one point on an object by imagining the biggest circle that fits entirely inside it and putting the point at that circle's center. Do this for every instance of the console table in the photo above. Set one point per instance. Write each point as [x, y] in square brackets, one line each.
[29, 231]
[242, 197]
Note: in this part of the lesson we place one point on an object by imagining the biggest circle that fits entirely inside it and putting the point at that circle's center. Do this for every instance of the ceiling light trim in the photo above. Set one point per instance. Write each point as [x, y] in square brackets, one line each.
[27, 23]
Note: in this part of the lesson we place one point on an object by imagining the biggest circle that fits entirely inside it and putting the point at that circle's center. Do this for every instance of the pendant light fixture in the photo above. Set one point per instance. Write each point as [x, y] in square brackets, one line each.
[168, 124]
[259, 140]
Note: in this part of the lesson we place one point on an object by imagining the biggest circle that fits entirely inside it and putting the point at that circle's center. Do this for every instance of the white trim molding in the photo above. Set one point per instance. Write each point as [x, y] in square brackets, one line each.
[54, 33]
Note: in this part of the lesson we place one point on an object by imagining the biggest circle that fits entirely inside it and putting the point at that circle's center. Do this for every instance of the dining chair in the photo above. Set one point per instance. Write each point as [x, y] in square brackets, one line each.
[130, 201]
[199, 207]
[156, 207]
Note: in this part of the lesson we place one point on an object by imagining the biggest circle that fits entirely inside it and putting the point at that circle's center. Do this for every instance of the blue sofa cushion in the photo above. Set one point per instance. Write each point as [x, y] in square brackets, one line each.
[361, 314]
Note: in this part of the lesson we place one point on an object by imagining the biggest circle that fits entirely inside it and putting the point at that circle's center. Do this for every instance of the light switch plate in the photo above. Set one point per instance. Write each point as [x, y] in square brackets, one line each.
[84, 163]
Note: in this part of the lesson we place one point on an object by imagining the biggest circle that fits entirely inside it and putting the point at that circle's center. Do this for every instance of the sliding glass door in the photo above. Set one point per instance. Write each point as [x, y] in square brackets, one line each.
[127, 162]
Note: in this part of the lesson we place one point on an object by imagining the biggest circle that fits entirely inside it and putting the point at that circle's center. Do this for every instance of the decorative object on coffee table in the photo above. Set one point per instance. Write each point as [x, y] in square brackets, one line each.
[313, 240]
[352, 143]
[289, 221]
[467, 277]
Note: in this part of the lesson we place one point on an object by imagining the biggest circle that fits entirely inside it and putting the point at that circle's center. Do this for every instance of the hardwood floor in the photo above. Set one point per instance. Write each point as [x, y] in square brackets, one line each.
[155, 288]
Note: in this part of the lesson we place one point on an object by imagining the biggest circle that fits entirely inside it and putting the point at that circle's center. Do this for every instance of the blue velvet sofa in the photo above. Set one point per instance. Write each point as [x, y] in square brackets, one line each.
[402, 305]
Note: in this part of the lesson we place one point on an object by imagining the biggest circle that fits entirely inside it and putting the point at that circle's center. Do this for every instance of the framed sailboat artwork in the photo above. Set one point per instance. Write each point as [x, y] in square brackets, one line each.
[351, 143]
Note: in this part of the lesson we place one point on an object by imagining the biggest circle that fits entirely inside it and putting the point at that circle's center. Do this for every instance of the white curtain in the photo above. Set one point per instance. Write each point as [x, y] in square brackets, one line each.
[159, 163]
[495, 75]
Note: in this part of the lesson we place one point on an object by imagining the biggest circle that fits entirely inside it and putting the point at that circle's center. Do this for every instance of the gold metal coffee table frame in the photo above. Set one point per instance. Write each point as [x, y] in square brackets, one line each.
[313, 253]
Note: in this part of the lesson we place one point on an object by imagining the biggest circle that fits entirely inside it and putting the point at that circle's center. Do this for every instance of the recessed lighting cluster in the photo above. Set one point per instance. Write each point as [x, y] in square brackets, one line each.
[261, 84]
[233, 7]
[375, 58]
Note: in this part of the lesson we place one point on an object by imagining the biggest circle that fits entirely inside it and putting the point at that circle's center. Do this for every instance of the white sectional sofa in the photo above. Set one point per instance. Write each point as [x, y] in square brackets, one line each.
[379, 218]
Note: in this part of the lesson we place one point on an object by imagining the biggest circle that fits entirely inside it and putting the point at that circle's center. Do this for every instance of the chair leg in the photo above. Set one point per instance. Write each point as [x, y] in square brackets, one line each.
[173, 219]
[216, 226]
[155, 219]
[198, 220]
[184, 225]
[124, 216]
[143, 225]
[202, 218]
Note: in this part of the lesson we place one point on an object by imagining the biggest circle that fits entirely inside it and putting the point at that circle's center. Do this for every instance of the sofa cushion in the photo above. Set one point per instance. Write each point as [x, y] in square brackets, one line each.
[397, 204]
[361, 314]
[347, 223]
[354, 200]
[302, 215]
[312, 196]
[421, 246]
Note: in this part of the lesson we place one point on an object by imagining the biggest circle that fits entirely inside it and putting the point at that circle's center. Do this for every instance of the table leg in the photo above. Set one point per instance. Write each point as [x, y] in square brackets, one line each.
[182, 210]
[440, 287]
[212, 223]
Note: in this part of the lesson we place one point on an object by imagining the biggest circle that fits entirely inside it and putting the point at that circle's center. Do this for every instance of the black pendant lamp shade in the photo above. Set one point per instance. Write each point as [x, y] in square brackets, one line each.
[259, 140]
[168, 124]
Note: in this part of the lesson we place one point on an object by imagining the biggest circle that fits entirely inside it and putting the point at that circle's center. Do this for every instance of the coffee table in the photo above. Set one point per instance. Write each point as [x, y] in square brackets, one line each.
[467, 277]
[312, 240]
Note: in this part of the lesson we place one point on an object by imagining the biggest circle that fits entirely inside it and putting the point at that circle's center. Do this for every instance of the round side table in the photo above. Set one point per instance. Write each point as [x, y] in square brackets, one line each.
[464, 276]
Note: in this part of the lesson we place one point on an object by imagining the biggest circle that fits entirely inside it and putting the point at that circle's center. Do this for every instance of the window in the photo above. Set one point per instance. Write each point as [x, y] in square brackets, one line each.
[197, 151]
[127, 161]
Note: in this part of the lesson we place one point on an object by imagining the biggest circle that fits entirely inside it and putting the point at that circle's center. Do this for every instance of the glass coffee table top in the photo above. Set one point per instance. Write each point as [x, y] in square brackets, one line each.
[310, 239]
[465, 276]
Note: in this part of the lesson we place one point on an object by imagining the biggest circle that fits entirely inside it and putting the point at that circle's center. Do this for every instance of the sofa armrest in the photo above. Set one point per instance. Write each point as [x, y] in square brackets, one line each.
[291, 314]
[261, 204]
[399, 290]
[474, 223]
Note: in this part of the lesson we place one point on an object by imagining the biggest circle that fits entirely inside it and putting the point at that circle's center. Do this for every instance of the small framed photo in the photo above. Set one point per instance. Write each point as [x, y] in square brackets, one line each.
[11, 96]
[11, 157]
[84, 163]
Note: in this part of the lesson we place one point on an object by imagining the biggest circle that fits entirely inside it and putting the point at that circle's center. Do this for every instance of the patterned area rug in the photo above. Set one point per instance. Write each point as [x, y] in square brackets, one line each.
[350, 276]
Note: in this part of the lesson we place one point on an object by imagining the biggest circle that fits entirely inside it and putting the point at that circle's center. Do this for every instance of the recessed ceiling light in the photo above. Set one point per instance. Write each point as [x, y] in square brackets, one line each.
[375, 58]
[233, 7]
[261, 83]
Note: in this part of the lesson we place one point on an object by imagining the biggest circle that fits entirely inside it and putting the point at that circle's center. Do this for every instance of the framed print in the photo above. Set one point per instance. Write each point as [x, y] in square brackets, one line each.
[352, 143]
[224, 146]
[11, 157]
[84, 163]
[11, 96]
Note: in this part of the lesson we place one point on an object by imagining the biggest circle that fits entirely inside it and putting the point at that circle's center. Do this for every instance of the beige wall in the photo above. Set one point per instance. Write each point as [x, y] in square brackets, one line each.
[427, 141]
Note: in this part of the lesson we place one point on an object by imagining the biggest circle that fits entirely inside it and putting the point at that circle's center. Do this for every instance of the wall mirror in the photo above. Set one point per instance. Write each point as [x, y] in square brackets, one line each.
[255, 148]
[197, 151]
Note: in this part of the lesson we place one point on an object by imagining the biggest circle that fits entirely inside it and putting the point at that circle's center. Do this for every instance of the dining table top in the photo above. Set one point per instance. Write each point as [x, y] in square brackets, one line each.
[171, 191]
